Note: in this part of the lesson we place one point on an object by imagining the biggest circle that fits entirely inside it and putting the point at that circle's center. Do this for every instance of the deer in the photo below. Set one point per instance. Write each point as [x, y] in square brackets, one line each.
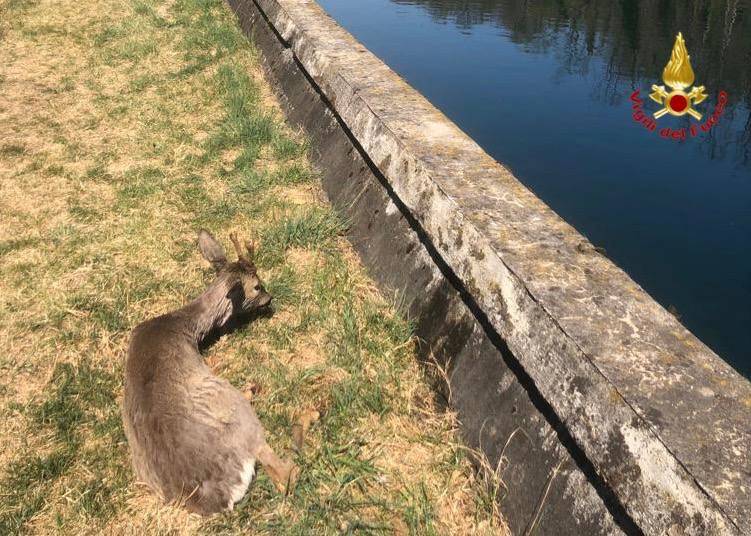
[194, 438]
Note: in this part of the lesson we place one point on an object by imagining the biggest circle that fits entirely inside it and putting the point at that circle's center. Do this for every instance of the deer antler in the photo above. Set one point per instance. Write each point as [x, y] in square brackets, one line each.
[238, 248]
[250, 246]
[247, 254]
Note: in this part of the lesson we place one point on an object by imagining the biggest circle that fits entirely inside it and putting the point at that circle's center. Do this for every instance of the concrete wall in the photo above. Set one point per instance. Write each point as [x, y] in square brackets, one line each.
[608, 415]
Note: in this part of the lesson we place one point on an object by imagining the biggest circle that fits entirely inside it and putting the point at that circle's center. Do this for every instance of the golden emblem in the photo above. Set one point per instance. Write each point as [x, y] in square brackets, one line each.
[678, 75]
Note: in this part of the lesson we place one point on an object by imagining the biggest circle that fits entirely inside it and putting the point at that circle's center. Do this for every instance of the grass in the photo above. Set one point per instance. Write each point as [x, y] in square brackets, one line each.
[126, 127]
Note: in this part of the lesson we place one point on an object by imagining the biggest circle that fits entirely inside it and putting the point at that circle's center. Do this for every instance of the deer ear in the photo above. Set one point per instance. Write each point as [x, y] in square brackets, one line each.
[211, 250]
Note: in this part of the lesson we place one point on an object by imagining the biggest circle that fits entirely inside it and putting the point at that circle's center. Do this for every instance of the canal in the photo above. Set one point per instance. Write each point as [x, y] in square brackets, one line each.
[545, 87]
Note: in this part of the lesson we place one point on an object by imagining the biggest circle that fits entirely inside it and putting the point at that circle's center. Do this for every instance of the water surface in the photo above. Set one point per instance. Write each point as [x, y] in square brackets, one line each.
[543, 86]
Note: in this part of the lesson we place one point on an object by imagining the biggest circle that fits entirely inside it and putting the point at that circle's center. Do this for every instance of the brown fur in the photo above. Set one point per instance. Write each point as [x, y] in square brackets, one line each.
[191, 433]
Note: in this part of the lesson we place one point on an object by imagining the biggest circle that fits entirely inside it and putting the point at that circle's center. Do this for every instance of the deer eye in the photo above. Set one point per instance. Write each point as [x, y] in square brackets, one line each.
[257, 287]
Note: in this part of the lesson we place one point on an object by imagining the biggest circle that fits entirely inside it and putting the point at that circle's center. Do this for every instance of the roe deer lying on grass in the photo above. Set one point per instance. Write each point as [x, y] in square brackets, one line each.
[194, 438]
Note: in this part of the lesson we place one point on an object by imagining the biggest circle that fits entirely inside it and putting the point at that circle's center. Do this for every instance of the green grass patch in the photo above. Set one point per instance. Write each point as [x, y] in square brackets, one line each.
[7, 246]
[12, 150]
[308, 228]
[244, 126]
[81, 399]
[27, 486]
[138, 185]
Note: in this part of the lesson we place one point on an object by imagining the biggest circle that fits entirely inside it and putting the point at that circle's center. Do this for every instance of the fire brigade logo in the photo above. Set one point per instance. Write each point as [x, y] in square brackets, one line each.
[678, 75]
[677, 99]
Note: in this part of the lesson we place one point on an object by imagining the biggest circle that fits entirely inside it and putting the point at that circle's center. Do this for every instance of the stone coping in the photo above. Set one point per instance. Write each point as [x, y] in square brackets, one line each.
[663, 420]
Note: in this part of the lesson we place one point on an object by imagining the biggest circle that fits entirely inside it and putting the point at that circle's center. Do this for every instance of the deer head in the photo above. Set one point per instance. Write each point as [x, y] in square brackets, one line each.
[241, 277]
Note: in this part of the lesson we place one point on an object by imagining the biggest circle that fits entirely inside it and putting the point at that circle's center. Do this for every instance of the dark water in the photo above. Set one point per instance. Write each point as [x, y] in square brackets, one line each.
[544, 87]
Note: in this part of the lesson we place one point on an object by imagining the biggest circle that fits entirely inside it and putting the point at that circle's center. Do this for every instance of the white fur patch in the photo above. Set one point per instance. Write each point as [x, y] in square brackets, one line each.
[246, 476]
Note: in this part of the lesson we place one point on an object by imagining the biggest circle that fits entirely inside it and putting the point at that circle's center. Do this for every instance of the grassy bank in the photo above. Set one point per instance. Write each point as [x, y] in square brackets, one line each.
[126, 126]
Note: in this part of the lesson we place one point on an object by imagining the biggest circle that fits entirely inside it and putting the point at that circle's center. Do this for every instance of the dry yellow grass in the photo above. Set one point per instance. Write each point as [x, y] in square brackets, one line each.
[126, 127]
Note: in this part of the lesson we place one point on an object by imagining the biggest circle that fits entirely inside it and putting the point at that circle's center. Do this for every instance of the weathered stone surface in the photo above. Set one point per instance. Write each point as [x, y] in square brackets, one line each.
[631, 420]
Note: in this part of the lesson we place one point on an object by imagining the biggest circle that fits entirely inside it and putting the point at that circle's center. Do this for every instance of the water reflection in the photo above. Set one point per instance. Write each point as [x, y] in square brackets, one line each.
[631, 40]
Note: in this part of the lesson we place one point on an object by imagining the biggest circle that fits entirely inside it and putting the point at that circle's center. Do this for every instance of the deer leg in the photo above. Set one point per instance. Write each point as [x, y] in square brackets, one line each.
[283, 473]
